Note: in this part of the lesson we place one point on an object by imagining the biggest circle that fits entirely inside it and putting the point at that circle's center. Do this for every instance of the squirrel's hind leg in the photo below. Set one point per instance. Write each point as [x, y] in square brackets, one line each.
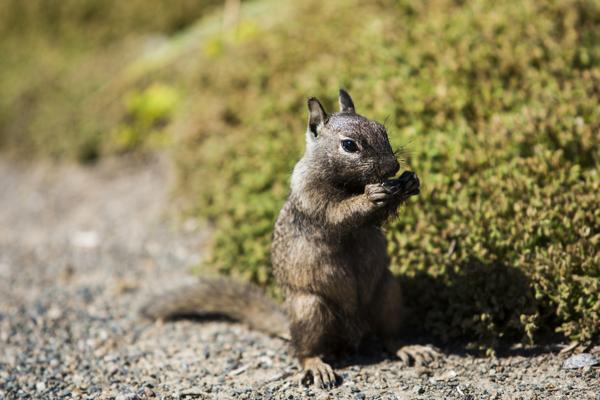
[312, 325]
[386, 322]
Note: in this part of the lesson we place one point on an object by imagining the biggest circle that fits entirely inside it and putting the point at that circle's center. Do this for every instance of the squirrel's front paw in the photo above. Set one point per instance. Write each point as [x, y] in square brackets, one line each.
[379, 194]
[407, 185]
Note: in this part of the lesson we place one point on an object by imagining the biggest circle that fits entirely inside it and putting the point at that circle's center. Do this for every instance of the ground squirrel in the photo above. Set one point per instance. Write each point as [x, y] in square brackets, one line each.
[328, 251]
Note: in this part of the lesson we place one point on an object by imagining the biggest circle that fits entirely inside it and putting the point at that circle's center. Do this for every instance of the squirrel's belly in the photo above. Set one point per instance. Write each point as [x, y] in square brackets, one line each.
[342, 270]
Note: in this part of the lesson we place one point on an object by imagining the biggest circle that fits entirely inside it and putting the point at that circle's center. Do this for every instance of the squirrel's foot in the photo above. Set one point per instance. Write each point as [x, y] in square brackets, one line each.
[318, 372]
[413, 355]
[417, 355]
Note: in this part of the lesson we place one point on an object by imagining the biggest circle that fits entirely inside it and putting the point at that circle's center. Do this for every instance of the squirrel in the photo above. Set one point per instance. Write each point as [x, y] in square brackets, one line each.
[328, 251]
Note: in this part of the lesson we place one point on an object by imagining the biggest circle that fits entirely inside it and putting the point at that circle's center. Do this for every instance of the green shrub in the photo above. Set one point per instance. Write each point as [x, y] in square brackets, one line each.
[148, 112]
[62, 86]
[496, 107]
[96, 21]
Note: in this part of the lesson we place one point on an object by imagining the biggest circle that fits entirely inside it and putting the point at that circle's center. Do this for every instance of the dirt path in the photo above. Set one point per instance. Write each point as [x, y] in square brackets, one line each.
[82, 248]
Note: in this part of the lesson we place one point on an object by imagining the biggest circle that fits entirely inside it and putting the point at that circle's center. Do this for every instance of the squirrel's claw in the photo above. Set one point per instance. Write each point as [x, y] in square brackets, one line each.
[319, 373]
[378, 194]
[417, 355]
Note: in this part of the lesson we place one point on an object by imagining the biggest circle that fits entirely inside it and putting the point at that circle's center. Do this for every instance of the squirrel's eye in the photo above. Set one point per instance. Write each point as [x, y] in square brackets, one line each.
[349, 145]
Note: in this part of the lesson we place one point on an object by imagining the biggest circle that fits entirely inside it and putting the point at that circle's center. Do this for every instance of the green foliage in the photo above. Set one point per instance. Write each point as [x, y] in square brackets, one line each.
[496, 106]
[62, 88]
[148, 112]
[96, 21]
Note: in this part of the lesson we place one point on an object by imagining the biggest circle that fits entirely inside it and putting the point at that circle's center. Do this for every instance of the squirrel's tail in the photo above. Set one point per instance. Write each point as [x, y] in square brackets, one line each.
[221, 296]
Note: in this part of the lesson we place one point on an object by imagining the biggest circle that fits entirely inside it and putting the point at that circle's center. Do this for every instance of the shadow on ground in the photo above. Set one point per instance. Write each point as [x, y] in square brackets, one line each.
[437, 302]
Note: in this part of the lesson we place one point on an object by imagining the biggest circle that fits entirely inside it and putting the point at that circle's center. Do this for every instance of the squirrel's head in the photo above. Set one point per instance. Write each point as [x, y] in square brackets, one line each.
[346, 148]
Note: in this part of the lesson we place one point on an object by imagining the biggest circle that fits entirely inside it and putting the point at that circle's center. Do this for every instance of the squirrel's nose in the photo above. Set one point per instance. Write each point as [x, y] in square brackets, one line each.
[392, 166]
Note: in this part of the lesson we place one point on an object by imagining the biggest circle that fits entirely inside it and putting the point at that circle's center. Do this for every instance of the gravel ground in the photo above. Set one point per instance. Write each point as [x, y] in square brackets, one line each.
[82, 248]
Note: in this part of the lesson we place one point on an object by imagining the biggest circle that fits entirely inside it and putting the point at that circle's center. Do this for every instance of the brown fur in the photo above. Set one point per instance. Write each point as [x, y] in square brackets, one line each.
[221, 296]
[328, 251]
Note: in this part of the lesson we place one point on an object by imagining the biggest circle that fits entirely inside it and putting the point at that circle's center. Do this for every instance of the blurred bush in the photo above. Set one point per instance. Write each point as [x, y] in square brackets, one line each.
[148, 112]
[495, 105]
[91, 22]
[61, 87]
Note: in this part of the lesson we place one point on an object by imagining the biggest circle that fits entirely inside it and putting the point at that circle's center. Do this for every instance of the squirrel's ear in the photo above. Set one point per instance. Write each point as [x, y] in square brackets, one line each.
[316, 115]
[346, 103]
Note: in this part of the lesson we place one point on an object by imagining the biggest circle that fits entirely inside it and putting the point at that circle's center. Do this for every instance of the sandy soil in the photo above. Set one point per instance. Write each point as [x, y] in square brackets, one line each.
[81, 248]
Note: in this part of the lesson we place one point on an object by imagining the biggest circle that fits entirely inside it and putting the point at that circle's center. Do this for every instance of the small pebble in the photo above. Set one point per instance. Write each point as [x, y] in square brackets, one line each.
[580, 361]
